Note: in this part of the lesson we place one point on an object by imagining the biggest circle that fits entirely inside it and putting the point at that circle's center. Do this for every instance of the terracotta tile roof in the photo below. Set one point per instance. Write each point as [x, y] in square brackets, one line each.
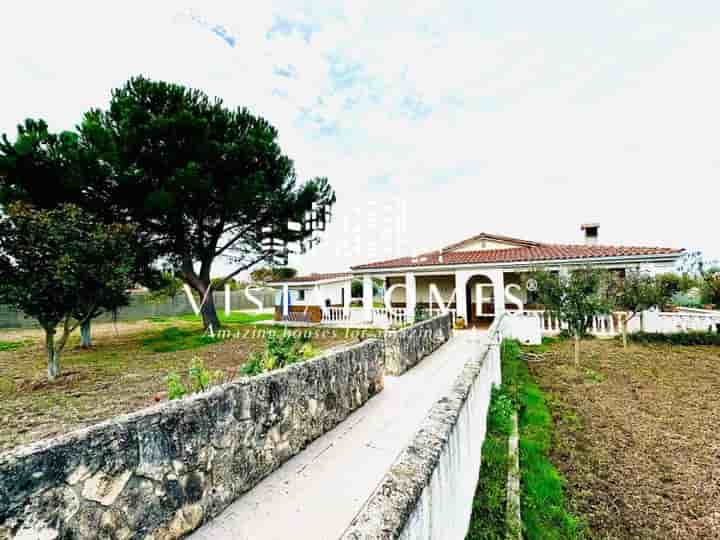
[540, 252]
[313, 277]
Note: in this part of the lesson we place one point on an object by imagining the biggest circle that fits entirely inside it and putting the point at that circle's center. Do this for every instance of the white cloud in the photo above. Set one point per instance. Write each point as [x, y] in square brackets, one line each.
[517, 119]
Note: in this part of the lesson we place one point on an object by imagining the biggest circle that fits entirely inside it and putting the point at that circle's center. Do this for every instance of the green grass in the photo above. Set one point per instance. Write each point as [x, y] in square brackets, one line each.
[13, 345]
[235, 317]
[178, 339]
[545, 511]
[488, 521]
[543, 347]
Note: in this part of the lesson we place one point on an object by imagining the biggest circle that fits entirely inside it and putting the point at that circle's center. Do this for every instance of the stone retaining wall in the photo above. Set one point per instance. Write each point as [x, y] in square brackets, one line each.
[428, 492]
[405, 348]
[161, 472]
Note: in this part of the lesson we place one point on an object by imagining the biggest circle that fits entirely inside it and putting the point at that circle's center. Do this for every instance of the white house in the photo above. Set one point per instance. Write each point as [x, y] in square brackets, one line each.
[306, 297]
[476, 278]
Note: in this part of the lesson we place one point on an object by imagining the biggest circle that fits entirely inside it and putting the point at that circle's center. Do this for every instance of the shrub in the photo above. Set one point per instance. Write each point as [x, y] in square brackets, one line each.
[199, 379]
[281, 350]
[690, 299]
[710, 288]
[254, 365]
[684, 338]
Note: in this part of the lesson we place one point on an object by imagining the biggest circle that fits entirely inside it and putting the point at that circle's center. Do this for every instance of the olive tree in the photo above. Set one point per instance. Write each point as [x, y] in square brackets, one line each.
[47, 170]
[574, 298]
[63, 268]
[638, 291]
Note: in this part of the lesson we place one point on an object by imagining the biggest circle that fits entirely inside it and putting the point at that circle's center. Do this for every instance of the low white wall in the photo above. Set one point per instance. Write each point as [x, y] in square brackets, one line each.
[445, 506]
[525, 328]
[429, 491]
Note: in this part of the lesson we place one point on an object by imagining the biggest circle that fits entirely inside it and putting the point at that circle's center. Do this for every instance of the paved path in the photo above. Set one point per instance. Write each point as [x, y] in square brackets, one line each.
[316, 494]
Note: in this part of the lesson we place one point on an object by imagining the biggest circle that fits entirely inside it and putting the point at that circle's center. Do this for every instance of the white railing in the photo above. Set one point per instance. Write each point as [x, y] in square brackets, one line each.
[683, 321]
[356, 315]
[652, 321]
[335, 314]
[389, 317]
[601, 325]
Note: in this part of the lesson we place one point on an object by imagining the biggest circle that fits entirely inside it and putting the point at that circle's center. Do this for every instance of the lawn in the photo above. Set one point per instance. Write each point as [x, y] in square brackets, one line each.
[636, 435]
[123, 372]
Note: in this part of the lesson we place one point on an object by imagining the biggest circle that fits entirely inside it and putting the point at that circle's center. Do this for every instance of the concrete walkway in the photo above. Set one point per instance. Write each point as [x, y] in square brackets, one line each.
[316, 494]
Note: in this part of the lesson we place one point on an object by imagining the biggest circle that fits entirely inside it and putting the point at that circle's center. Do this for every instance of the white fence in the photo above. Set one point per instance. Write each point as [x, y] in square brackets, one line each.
[649, 321]
[602, 326]
[381, 317]
[681, 321]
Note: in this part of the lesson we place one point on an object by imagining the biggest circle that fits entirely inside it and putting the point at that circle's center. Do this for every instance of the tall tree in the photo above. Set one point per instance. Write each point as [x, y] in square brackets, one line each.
[48, 170]
[203, 181]
[62, 267]
[574, 298]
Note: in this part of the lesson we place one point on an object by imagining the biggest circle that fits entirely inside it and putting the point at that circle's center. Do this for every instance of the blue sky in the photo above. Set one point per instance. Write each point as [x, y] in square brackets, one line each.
[519, 118]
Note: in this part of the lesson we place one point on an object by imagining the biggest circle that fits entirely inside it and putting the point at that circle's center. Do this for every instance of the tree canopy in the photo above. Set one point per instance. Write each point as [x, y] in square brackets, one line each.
[62, 267]
[47, 170]
[637, 291]
[574, 298]
[267, 273]
[201, 180]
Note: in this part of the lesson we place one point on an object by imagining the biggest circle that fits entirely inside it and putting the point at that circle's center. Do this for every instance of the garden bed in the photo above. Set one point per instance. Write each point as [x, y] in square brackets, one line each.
[636, 435]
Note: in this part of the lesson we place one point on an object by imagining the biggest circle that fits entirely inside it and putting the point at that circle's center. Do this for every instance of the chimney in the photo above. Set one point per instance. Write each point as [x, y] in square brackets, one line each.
[591, 233]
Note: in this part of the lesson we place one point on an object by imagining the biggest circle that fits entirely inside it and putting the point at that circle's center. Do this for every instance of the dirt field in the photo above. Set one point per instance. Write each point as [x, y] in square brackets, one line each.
[122, 373]
[638, 437]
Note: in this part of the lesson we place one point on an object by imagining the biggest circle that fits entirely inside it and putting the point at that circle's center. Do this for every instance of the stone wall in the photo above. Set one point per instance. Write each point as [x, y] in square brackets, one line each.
[405, 348]
[159, 473]
[428, 492]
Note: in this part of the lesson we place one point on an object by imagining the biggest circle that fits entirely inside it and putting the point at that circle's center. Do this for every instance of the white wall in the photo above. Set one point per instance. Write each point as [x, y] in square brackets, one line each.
[444, 509]
[327, 291]
[445, 285]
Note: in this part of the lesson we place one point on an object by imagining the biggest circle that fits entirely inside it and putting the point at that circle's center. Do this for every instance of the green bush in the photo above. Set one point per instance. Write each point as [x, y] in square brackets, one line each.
[281, 350]
[199, 379]
[689, 299]
[710, 288]
[684, 338]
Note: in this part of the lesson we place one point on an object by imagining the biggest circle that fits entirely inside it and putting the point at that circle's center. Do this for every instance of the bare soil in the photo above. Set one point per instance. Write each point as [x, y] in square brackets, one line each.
[120, 374]
[637, 436]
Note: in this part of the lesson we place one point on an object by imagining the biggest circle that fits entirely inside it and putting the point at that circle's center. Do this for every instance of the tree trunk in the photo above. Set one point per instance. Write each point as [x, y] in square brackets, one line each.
[209, 313]
[53, 356]
[85, 335]
[624, 330]
[642, 321]
[577, 348]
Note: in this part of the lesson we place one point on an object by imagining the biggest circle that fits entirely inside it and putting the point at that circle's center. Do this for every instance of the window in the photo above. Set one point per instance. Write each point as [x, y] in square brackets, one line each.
[301, 295]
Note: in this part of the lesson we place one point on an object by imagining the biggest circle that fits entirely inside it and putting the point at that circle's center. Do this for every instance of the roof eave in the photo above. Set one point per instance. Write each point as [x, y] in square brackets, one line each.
[656, 257]
[306, 283]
